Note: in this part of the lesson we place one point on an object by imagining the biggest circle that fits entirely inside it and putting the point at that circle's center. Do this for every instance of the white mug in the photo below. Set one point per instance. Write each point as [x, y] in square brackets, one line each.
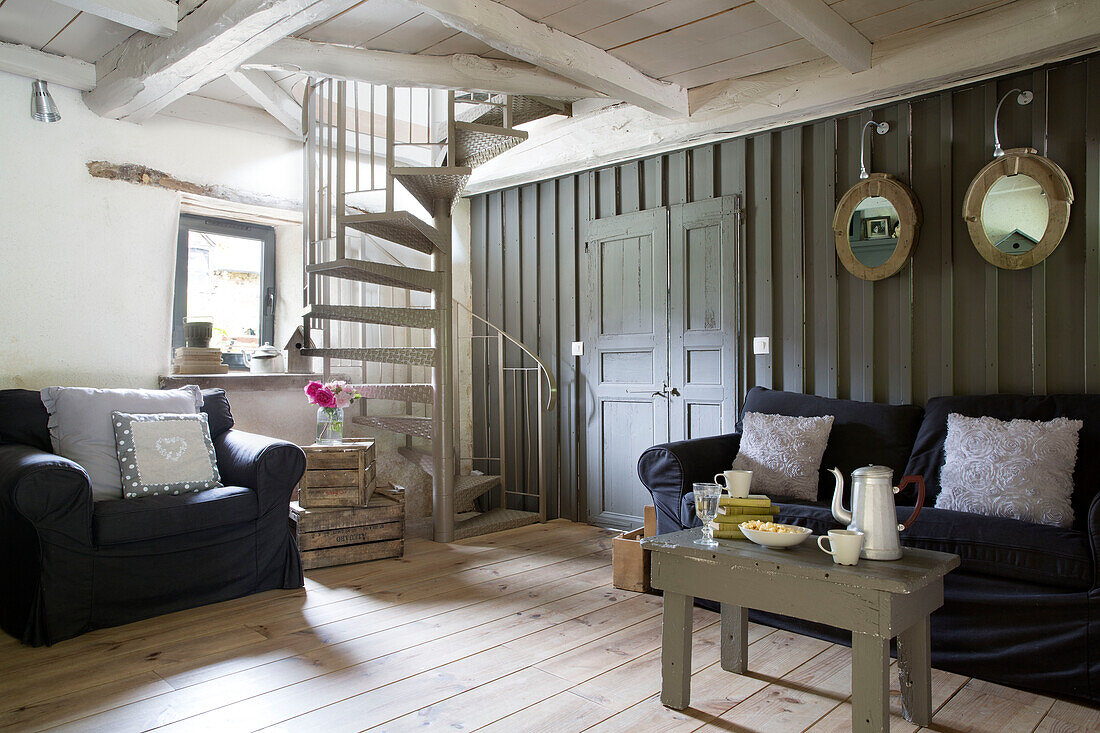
[844, 545]
[737, 482]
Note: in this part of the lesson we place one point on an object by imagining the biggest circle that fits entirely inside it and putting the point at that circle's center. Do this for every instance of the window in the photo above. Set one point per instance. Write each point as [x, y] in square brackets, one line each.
[225, 271]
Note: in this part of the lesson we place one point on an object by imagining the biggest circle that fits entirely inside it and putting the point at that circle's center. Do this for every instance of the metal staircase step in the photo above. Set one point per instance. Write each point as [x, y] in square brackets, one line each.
[400, 392]
[399, 227]
[395, 276]
[417, 457]
[494, 520]
[418, 427]
[475, 143]
[409, 317]
[415, 355]
[428, 185]
[524, 109]
[469, 488]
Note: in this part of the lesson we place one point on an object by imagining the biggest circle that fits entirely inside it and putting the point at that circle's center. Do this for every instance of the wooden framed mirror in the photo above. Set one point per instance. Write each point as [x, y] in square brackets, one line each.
[875, 226]
[1017, 209]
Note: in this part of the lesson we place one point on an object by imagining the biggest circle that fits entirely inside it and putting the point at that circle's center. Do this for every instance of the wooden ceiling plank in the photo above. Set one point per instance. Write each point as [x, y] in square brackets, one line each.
[34, 64]
[151, 16]
[822, 26]
[460, 71]
[140, 78]
[516, 35]
[269, 95]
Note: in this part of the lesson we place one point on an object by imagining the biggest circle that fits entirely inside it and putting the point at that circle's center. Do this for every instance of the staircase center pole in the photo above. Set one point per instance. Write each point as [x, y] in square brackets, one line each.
[443, 418]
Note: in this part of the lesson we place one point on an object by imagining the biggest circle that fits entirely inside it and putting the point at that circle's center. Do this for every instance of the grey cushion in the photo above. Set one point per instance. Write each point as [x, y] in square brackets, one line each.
[784, 453]
[80, 425]
[164, 454]
[1020, 469]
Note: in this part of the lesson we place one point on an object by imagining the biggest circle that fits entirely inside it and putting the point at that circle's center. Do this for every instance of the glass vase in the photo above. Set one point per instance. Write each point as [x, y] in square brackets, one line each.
[330, 425]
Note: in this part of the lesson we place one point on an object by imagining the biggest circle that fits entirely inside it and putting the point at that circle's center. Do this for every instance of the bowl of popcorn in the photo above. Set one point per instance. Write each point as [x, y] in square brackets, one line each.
[772, 534]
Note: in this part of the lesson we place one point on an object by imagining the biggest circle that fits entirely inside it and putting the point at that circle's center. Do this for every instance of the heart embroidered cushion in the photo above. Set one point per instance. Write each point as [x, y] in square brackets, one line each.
[783, 453]
[1020, 469]
[164, 454]
[81, 429]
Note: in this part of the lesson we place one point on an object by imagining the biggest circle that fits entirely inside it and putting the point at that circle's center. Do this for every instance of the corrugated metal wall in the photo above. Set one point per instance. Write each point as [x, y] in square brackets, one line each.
[947, 324]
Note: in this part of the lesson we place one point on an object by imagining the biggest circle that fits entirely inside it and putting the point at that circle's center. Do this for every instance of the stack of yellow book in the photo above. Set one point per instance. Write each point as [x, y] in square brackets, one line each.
[731, 512]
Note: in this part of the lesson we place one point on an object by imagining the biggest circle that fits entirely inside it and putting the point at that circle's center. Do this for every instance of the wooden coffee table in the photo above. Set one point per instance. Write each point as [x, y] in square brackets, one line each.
[875, 600]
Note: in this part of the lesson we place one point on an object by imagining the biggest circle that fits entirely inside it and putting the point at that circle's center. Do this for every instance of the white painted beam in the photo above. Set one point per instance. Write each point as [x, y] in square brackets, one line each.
[152, 16]
[34, 64]
[822, 26]
[269, 95]
[1013, 37]
[461, 71]
[516, 35]
[139, 78]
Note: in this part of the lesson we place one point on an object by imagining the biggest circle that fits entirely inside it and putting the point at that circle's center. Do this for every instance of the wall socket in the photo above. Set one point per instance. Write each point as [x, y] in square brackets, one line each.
[578, 348]
[761, 345]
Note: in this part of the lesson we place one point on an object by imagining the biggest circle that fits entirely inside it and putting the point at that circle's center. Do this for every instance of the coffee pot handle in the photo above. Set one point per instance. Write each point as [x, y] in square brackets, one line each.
[919, 481]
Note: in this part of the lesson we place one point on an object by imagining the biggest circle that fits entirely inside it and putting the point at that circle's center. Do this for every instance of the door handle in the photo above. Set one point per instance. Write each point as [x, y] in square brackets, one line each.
[675, 392]
[661, 393]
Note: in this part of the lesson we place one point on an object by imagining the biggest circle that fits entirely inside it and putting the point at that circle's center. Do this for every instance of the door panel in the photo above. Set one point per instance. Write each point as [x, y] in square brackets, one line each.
[624, 320]
[704, 327]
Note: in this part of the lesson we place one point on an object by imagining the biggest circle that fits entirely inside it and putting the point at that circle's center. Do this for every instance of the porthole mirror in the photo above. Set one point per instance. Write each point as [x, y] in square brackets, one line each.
[1017, 209]
[875, 226]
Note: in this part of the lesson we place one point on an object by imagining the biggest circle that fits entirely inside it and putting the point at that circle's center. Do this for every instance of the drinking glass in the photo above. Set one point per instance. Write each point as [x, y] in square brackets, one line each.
[706, 508]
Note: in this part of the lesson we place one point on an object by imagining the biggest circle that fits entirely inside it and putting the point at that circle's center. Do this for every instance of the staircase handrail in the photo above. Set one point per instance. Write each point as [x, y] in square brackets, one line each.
[551, 382]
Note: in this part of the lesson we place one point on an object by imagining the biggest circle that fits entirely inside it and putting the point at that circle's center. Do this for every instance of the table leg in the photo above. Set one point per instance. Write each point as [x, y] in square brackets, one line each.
[735, 636]
[676, 651]
[915, 672]
[870, 683]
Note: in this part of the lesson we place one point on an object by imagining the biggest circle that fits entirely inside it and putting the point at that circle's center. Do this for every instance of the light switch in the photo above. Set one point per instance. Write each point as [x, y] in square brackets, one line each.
[578, 348]
[761, 345]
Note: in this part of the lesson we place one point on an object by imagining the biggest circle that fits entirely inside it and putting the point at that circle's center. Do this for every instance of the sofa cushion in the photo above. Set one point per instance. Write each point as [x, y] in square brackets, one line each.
[23, 419]
[164, 454]
[928, 454]
[133, 520]
[994, 546]
[863, 432]
[216, 406]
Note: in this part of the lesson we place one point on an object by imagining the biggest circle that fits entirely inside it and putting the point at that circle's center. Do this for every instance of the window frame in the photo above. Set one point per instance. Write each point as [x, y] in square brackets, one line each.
[212, 225]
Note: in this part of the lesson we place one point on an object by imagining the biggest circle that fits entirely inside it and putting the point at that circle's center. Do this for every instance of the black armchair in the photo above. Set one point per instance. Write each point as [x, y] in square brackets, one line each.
[73, 565]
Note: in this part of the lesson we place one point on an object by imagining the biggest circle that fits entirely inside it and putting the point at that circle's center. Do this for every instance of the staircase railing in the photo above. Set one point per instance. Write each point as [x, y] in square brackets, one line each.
[514, 433]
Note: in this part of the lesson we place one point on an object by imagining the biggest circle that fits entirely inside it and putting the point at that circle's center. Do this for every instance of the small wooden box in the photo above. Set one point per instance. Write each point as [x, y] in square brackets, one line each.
[629, 562]
[342, 535]
[338, 475]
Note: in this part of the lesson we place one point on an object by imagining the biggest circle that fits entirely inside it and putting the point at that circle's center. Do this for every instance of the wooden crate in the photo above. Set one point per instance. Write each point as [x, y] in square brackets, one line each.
[338, 475]
[341, 535]
[629, 562]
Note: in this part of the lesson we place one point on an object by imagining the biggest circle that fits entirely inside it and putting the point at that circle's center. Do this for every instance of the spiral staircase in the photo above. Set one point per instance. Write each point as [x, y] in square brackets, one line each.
[430, 141]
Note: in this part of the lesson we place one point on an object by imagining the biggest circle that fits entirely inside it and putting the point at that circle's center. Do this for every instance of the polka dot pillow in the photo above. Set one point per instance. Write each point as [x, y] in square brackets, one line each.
[164, 454]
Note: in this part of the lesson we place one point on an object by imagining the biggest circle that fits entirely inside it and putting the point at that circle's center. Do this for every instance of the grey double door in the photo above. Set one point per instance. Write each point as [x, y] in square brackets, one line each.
[659, 321]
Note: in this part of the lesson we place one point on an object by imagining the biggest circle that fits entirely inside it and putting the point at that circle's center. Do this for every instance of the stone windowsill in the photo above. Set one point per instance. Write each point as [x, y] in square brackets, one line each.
[240, 381]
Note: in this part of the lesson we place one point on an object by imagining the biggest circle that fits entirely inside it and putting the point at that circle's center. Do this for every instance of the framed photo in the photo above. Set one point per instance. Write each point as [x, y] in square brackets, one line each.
[876, 227]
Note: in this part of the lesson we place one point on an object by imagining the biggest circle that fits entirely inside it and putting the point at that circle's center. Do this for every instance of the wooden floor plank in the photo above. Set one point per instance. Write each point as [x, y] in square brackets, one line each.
[518, 631]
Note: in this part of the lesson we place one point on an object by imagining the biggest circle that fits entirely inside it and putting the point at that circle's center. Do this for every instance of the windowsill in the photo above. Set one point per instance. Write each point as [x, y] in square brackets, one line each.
[240, 380]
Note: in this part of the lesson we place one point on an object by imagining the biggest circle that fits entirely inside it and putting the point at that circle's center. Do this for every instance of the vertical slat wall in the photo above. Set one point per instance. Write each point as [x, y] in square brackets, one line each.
[948, 323]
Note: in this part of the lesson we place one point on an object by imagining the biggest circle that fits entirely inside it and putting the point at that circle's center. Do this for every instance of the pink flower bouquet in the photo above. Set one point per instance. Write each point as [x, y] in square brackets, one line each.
[331, 398]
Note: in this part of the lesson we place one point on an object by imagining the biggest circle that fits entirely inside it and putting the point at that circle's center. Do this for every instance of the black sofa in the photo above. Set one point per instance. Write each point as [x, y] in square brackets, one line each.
[1018, 611]
[72, 565]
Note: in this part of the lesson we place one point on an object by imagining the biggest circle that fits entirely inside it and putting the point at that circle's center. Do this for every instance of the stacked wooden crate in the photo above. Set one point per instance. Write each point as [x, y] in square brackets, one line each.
[340, 516]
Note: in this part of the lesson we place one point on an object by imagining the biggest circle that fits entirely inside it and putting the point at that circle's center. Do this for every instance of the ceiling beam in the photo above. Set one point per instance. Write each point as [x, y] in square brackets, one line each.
[823, 27]
[34, 64]
[461, 71]
[269, 95]
[516, 35]
[139, 78]
[152, 16]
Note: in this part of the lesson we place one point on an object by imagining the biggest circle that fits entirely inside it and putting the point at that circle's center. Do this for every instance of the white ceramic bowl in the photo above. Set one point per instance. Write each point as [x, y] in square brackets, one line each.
[777, 540]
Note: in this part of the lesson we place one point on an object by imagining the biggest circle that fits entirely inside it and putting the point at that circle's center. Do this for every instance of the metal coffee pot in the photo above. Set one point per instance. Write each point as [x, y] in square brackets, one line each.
[873, 512]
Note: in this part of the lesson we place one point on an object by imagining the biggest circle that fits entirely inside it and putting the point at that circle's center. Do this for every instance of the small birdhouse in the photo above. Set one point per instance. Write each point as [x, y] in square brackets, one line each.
[296, 362]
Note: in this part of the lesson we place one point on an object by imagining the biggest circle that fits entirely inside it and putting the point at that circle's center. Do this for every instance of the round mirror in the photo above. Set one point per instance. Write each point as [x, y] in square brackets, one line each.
[873, 231]
[1017, 209]
[1015, 214]
[875, 226]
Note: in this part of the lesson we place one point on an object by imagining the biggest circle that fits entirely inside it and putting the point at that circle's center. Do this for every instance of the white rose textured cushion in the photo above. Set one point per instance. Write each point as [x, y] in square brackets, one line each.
[164, 454]
[81, 430]
[784, 453]
[1020, 469]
